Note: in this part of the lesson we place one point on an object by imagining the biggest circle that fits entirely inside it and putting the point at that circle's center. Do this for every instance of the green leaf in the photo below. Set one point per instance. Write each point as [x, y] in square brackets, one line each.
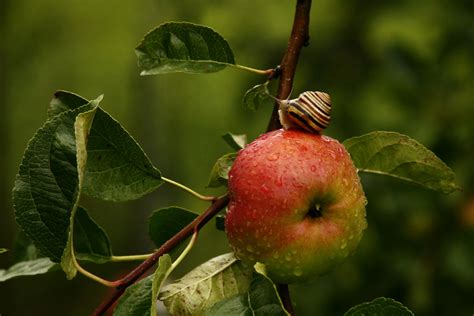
[82, 127]
[379, 306]
[160, 275]
[117, 168]
[399, 156]
[2, 250]
[261, 299]
[32, 267]
[217, 279]
[237, 142]
[220, 222]
[64, 101]
[136, 301]
[183, 47]
[166, 222]
[45, 189]
[255, 96]
[90, 240]
[220, 170]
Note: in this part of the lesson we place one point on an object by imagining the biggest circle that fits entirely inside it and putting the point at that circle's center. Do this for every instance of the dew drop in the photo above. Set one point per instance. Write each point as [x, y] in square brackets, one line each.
[249, 248]
[313, 168]
[276, 256]
[288, 257]
[273, 156]
[351, 236]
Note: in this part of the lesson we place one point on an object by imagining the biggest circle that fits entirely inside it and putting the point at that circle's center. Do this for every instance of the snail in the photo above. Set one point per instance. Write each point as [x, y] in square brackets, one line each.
[311, 111]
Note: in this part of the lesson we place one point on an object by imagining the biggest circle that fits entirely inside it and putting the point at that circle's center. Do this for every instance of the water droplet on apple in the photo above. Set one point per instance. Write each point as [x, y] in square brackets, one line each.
[279, 181]
[293, 252]
[264, 188]
[351, 236]
[273, 156]
[288, 257]
[313, 168]
[276, 256]
[297, 271]
[344, 244]
[249, 248]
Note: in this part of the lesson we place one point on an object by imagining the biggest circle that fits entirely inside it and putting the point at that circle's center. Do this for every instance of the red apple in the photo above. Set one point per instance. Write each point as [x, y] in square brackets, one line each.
[296, 204]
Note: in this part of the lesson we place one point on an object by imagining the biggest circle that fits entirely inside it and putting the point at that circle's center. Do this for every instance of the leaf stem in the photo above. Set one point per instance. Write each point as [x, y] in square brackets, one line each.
[256, 71]
[130, 257]
[91, 275]
[190, 191]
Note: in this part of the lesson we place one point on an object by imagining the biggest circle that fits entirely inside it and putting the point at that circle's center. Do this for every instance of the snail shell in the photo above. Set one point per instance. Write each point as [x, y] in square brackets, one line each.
[311, 111]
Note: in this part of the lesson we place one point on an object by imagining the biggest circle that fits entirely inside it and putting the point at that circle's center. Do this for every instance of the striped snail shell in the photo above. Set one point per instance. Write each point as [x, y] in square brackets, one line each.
[311, 111]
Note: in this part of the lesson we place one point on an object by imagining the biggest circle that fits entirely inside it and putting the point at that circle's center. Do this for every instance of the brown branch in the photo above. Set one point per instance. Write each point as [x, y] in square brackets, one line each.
[134, 275]
[299, 37]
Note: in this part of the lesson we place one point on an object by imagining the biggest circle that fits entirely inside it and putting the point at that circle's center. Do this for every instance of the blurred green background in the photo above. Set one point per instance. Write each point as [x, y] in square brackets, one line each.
[405, 66]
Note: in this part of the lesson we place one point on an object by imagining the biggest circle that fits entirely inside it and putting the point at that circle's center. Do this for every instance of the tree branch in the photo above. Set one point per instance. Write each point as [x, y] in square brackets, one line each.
[134, 275]
[299, 37]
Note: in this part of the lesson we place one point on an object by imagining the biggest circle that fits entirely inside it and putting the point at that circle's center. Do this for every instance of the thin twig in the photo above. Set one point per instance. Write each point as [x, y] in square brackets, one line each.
[299, 37]
[134, 275]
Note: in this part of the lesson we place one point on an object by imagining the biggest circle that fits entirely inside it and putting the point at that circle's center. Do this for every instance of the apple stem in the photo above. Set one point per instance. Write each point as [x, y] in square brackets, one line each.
[284, 293]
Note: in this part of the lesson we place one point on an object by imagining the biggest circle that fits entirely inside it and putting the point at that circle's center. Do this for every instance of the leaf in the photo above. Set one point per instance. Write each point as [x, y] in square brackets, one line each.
[2, 250]
[136, 301]
[32, 267]
[237, 142]
[166, 222]
[46, 185]
[255, 96]
[183, 47]
[90, 240]
[117, 168]
[220, 170]
[64, 101]
[379, 306]
[160, 275]
[217, 279]
[261, 299]
[397, 155]
[220, 222]
[82, 127]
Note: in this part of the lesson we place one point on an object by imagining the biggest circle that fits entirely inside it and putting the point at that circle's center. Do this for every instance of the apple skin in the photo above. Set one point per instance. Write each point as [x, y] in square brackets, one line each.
[275, 184]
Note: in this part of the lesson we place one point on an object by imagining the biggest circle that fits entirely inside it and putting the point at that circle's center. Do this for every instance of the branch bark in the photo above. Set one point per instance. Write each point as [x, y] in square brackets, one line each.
[134, 275]
[299, 37]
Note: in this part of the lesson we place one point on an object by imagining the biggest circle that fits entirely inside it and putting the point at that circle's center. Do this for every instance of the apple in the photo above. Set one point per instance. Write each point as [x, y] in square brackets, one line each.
[296, 204]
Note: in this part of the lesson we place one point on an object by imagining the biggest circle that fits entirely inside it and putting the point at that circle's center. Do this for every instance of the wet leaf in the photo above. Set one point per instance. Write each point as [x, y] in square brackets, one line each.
[183, 47]
[399, 156]
[219, 278]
